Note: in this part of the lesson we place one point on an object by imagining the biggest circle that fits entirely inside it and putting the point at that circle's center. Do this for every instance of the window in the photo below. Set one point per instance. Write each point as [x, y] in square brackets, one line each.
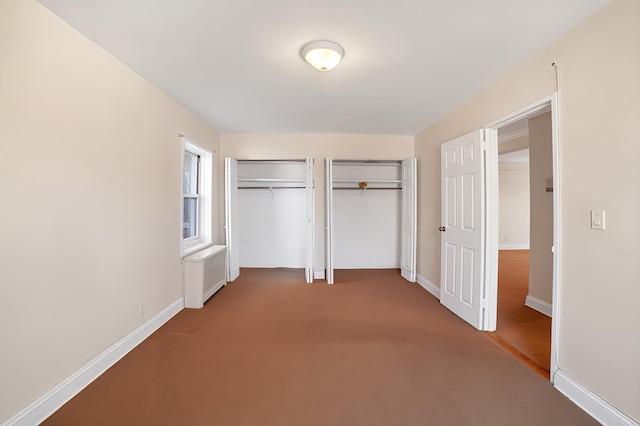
[190, 195]
[196, 196]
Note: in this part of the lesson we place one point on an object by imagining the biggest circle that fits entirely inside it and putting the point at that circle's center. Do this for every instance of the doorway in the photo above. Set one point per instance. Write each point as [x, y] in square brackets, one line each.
[525, 235]
[522, 272]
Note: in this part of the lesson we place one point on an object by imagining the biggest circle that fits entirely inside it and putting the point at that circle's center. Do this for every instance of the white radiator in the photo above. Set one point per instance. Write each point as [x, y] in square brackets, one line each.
[204, 274]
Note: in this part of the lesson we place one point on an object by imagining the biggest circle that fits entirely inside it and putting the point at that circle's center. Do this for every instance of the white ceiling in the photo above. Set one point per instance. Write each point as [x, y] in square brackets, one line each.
[235, 63]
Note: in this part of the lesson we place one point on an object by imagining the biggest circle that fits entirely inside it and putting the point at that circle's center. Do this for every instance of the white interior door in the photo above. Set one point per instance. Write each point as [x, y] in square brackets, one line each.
[409, 213]
[328, 205]
[231, 217]
[462, 249]
[310, 221]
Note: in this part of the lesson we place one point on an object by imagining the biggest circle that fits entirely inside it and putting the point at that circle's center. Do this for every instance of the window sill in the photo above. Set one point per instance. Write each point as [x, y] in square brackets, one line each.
[194, 248]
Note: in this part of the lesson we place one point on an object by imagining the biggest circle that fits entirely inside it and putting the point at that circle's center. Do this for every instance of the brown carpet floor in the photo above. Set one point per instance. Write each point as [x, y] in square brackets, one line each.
[269, 349]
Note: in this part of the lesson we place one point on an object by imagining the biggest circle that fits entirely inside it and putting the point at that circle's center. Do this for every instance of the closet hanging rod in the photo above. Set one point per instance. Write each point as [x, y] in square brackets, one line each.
[272, 187]
[368, 188]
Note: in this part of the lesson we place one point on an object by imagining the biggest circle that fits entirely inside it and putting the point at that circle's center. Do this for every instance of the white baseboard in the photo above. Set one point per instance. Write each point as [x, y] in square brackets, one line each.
[429, 286]
[318, 275]
[538, 305]
[514, 247]
[56, 397]
[595, 406]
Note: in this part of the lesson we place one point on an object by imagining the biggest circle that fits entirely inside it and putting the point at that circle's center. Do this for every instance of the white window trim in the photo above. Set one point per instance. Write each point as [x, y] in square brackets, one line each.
[205, 183]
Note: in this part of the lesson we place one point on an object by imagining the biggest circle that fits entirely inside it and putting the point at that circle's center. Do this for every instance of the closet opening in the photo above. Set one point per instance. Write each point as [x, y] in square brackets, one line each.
[269, 215]
[370, 215]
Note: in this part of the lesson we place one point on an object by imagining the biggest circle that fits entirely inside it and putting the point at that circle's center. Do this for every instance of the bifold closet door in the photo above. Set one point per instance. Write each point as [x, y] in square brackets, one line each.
[328, 217]
[409, 220]
[231, 217]
[310, 221]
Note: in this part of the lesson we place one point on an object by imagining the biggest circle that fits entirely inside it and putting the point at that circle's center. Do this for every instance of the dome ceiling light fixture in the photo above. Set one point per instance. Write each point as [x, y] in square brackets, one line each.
[323, 55]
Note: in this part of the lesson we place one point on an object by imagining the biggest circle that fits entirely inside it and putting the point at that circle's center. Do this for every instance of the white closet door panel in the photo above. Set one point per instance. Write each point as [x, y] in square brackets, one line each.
[366, 232]
[270, 226]
[310, 225]
[328, 217]
[231, 217]
[409, 217]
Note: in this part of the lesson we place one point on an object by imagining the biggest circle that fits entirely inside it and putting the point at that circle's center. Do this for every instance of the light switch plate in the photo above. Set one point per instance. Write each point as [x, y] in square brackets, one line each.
[597, 220]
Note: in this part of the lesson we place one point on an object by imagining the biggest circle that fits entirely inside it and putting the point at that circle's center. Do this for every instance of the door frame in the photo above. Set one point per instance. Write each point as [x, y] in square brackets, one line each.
[491, 242]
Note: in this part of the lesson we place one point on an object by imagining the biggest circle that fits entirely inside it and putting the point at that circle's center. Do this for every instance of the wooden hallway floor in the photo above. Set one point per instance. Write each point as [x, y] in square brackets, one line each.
[524, 331]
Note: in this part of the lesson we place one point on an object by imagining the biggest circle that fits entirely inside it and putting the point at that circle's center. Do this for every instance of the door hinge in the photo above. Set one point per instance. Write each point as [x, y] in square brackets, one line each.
[484, 145]
[484, 304]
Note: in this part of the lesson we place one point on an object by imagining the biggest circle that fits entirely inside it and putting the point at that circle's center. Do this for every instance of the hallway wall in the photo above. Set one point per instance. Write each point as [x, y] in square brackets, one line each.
[541, 175]
[513, 199]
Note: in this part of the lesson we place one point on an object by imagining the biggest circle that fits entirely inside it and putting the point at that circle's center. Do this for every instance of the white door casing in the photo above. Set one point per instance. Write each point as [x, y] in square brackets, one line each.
[409, 213]
[231, 217]
[462, 239]
[310, 221]
[328, 217]
[547, 103]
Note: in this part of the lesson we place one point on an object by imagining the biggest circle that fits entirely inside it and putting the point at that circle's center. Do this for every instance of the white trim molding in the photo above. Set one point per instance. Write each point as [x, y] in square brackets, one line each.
[514, 134]
[318, 274]
[595, 406]
[429, 286]
[538, 305]
[56, 397]
[513, 247]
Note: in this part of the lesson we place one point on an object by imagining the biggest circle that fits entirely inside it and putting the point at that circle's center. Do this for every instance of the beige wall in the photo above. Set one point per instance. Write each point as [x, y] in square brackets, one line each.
[599, 118]
[90, 188]
[319, 147]
[513, 197]
[541, 174]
